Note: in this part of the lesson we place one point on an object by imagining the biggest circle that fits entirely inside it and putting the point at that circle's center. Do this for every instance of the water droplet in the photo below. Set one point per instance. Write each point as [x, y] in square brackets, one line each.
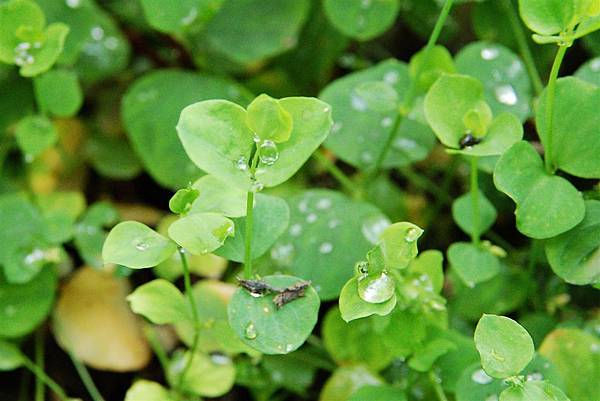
[595, 348]
[97, 33]
[493, 397]
[295, 230]
[365, 3]
[358, 103]
[111, 43]
[506, 94]
[326, 109]
[289, 348]
[283, 254]
[250, 331]
[242, 163]
[257, 186]
[311, 218]
[413, 234]
[190, 17]
[489, 53]
[366, 157]
[480, 377]
[362, 268]
[268, 152]
[405, 144]
[141, 246]
[535, 376]
[515, 68]
[333, 223]
[220, 359]
[73, 3]
[326, 247]
[28, 158]
[376, 289]
[391, 77]
[336, 127]
[387, 122]
[595, 65]
[22, 56]
[266, 309]
[10, 310]
[373, 227]
[324, 203]
[303, 206]
[35, 256]
[361, 21]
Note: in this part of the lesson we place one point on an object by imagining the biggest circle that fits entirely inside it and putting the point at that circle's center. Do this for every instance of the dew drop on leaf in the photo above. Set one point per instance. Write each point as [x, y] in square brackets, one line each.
[250, 331]
[358, 103]
[326, 247]
[535, 376]
[376, 289]
[268, 152]
[219, 359]
[413, 234]
[73, 3]
[311, 218]
[480, 377]
[97, 33]
[506, 94]
[257, 186]
[387, 122]
[242, 163]
[373, 227]
[489, 53]
[295, 230]
[141, 246]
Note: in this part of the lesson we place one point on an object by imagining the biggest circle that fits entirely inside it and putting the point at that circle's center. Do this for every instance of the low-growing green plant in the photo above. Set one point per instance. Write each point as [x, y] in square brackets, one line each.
[287, 264]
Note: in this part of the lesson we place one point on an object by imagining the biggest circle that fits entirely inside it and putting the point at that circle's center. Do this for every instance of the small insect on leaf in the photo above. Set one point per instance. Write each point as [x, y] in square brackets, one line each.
[256, 288]
[290, 293]
[468, 140]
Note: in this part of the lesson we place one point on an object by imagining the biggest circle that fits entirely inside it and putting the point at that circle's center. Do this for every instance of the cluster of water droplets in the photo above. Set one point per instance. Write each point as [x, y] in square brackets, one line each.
[23, 54]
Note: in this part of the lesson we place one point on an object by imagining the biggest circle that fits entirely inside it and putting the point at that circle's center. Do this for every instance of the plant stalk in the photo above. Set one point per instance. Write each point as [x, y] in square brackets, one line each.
[248, 273]
[337, 173]
[439, 391]
[475, 237]
[39, 373]
[195, 319]
[39, 360]
[550, 95]
[84, 374]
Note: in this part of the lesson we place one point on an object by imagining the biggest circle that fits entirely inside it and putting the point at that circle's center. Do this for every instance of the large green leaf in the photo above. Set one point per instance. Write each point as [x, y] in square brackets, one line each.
[505, 346]
[359, 134]
[547, 205]
[269, 329]
[327, 235]
[362, 19]
[590, 71]
[575, 133]
[151, 108]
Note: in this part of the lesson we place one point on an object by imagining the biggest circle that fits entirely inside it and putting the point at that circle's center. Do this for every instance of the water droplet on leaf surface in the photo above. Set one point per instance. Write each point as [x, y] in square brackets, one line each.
[268, 152]
[250, 331]
[506, 94]
[326, 247]
[489, 53]
[480, 377]
[376, 289]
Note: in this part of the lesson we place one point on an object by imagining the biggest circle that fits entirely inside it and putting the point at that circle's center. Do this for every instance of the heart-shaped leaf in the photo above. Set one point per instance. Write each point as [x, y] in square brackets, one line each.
[474, 264]
[575, 134]
[547, 205]
[270, 329]
[462, 212]
[505, 346]
[398, 244]
[136, 246]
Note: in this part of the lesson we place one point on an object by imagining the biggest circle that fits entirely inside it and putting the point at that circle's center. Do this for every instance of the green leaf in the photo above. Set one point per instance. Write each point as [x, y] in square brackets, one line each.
[208, 375]
[270, 220]
[17, 99]
[376, 288]
[430, 263]
[35, 134]
[359, 134]
[328, 233]
[547, 17]
[151, 108]
[533, 391]
[424, 357]
[575, 134]
[182, 201]
[362, 19]
[399, 244]
[505, 346]
[112, 157]
[15, 16]
[58, 92]
[136, 246]
[352, 306]
[146, 390]
[474, 264]
[575, 255]
[462, 212]
[10, 356]
[179, 16]
[507, 84]
[590, 71]
[89, 232]
[355, 342]
[346, 380]
[576, 355]
[547, 205]
[475, 385]
[25, 263]
[60, 211]
[41, 58]
[268, 120]
[160, 302]
[264, 327]
[378, 393]
[218, 197]
[439, 62]
[201, 233]
[19, 315]
[258, 32]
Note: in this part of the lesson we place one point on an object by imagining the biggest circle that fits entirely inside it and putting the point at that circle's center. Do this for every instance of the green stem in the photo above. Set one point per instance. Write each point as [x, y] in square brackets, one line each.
[39, 373]
[248, 273]
[39, 361]
[524, 49]
[157, 347]
[551, 92]
[411, 95]
[424, 183]
[475, 202]
[84, 374]
[437, 387]
[336, 173]
[195, 319]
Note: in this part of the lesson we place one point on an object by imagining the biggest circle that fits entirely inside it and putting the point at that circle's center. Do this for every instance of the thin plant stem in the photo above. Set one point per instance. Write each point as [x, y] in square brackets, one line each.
[550, 95]
[337, 173]
[195, 319]
[86, 379]
[39, 360]
[474, 202]
[157, 347]
[248, 272]
[38, 372]
[437, 387]
[424, 183]
[411, 95]
[524, 49]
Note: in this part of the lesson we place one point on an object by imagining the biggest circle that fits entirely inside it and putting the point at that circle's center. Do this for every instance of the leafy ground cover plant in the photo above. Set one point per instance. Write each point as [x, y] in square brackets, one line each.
[342, 200]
